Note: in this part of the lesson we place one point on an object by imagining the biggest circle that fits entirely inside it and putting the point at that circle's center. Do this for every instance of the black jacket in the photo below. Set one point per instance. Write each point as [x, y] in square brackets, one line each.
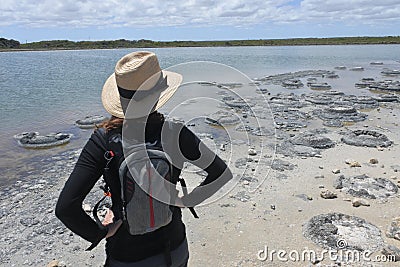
[90, 167]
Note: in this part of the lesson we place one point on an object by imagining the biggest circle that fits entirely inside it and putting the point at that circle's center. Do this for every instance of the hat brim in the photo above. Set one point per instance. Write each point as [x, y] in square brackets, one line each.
[135, 109]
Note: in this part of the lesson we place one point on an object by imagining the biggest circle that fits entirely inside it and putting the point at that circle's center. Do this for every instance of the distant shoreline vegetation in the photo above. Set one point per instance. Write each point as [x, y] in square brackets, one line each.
[13, 45]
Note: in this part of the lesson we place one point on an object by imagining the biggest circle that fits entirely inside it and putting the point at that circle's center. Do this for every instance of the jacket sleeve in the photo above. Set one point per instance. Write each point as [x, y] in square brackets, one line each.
[87, 171]
[197, 153]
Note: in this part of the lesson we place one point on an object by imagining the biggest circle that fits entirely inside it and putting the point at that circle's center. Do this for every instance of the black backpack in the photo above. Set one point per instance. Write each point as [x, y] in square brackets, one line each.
[145, 173]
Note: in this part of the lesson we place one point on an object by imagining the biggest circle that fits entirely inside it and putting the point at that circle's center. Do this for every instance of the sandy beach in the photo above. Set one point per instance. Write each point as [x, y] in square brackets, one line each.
[288, 166]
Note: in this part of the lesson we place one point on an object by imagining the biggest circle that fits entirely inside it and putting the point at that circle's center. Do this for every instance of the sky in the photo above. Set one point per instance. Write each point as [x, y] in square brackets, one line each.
[161, 20]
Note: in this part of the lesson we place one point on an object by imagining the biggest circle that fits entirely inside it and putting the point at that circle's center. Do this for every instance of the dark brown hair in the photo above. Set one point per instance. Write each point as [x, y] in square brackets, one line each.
[112, 123]
[115, 122]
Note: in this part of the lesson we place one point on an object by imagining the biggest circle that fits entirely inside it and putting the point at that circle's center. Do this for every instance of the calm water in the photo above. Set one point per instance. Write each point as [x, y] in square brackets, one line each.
[48, 91]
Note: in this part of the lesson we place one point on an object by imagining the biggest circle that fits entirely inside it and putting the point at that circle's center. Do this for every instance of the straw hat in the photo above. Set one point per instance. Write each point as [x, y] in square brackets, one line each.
[138, 86]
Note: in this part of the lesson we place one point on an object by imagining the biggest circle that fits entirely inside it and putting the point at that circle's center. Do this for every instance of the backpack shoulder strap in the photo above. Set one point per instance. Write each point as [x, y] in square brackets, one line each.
[174, 130]
[109, 155]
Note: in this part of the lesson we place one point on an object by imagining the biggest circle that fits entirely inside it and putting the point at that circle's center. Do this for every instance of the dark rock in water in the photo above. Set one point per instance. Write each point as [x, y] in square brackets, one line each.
[281, 165]
[366, 138]
[332, 93]
[279, 78]
[237, 103]
[386, 98]
[90, 121]
[331, 76]
[312, 140]
[365, 82]
[292, 83]
[319, 99]
[366, 187]
[389, 72]
[229, 85]
[319, 86]
[34, 140]
[25, 134]
[386, 85]
[357, 69]
[340, 231]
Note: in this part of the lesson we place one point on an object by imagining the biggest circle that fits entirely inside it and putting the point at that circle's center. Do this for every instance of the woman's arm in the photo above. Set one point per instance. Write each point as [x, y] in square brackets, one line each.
[197, 153]
[87, 171]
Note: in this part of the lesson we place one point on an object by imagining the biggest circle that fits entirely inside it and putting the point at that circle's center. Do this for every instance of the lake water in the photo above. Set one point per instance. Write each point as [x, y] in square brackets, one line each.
[48, 91]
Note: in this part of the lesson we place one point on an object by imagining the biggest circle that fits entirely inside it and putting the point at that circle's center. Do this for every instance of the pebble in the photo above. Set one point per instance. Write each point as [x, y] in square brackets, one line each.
[352, 163]
[87, 208]
[53, 263]
[252, 152]
[373, 161]
[327, 194]
[355, 164]
[336, 171]
[357, 202]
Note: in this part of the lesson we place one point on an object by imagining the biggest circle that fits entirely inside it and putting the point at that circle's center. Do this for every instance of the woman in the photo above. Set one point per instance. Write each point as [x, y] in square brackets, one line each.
[132, 95]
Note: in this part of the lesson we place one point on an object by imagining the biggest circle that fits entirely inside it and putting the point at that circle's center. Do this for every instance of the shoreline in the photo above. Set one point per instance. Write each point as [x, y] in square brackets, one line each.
[156, 47]
[291, 183]
[57, 45]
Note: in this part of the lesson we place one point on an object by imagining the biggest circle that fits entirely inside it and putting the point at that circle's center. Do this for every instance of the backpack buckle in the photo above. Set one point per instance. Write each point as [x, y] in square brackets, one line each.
[108, 155]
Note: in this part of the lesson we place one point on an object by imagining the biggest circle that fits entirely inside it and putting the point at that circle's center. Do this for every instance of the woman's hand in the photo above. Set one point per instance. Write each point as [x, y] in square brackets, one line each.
[110, 224]
[108, 219]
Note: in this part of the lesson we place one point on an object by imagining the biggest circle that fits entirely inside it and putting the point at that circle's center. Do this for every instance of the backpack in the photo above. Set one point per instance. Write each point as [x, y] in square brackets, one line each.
[147, 189]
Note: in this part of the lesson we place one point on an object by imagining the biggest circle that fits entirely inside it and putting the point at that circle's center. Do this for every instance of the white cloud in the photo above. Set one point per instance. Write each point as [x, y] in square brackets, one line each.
[142, 13]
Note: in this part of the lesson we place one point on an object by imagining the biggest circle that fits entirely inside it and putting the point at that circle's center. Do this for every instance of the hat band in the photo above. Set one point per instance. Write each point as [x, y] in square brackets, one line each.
[140, 94]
